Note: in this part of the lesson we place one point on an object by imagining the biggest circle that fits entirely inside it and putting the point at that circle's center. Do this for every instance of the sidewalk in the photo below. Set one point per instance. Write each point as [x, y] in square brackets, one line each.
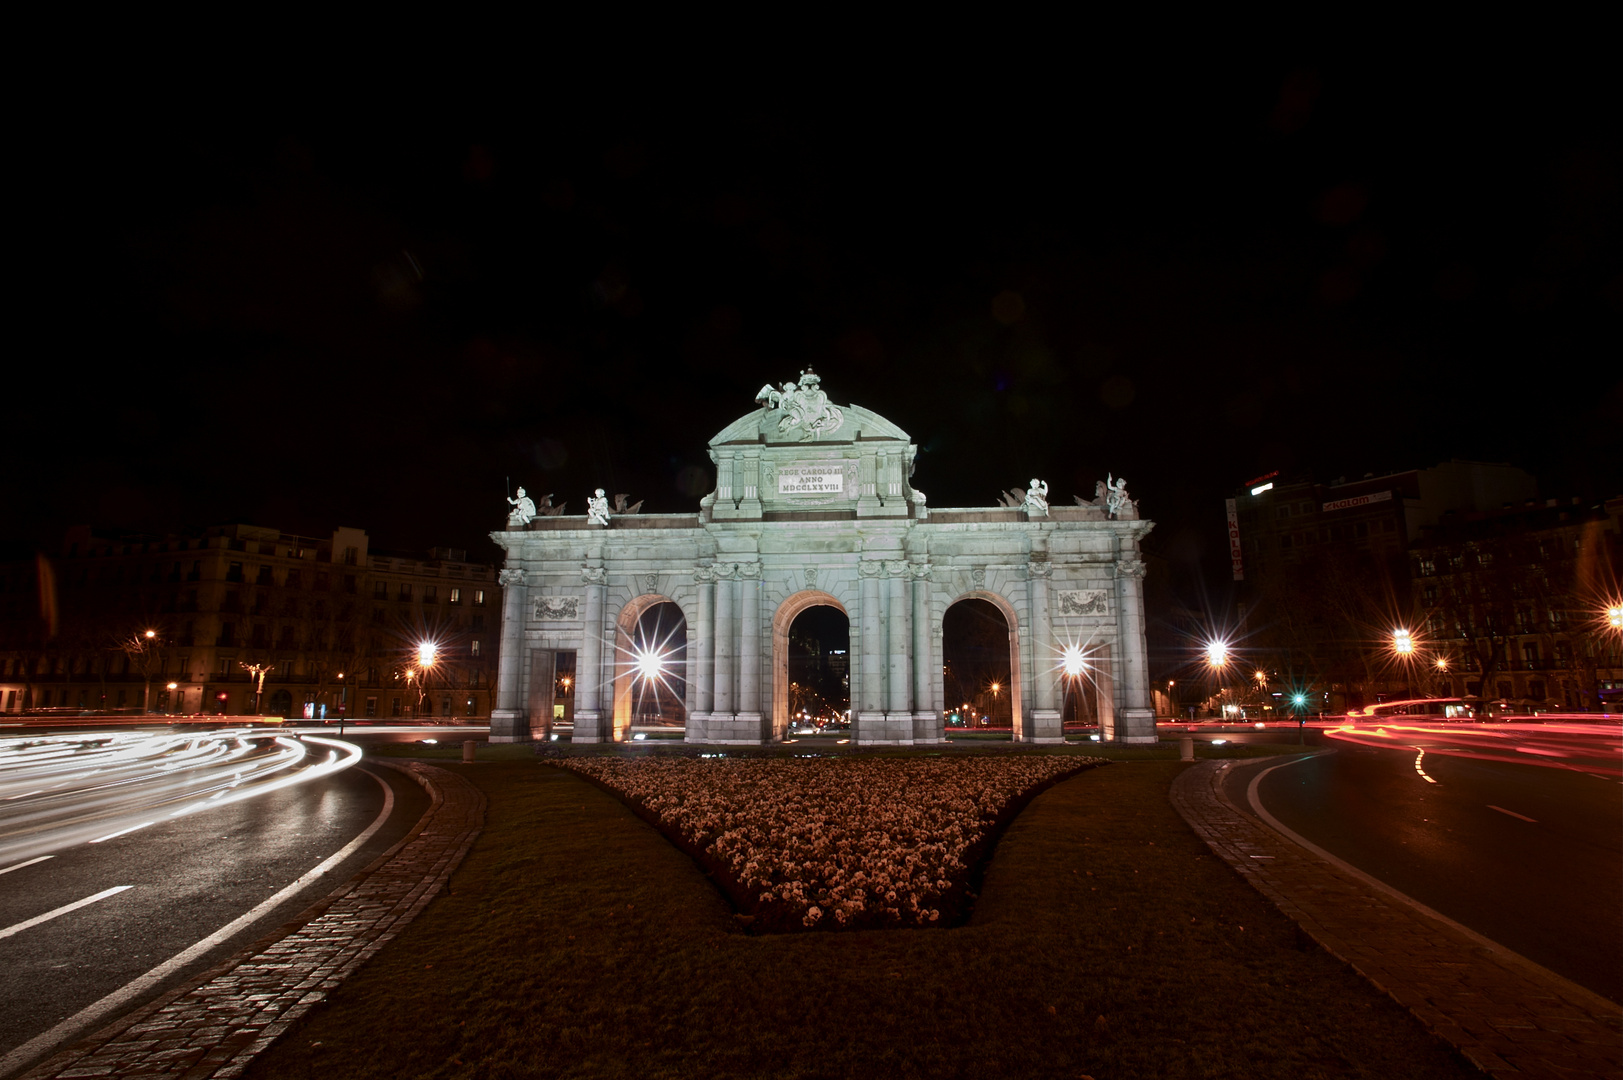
[217, 1025]
[1506, 1014]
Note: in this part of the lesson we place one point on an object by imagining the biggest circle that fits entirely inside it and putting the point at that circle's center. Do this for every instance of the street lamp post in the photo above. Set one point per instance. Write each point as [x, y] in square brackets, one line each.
[1217, 656]
[256, 675]
[1404, 647]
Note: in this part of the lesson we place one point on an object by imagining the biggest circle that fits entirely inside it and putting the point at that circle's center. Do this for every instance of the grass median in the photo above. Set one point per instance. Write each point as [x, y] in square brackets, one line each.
[1107, 941]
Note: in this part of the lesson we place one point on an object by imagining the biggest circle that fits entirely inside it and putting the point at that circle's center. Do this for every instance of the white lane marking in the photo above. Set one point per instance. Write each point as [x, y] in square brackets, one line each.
[93, 1014]
[1512, 813]
[30, 862]
[120, 832]
[17, 928]
[1420, 765]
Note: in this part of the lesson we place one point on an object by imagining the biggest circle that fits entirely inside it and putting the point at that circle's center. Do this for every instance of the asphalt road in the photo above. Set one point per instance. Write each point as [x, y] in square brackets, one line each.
[1527, 855]
[184, 880]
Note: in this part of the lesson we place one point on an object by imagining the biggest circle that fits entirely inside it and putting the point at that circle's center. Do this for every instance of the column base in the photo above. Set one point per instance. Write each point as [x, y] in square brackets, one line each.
[588, 727]
[927, 729]
[1136, 726]
[733, 729]
[1046, 727]
[883, 729]
[698, 727]
[510, 726]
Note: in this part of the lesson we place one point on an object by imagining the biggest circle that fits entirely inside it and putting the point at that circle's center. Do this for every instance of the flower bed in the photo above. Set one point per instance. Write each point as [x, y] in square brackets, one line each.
[834, 842]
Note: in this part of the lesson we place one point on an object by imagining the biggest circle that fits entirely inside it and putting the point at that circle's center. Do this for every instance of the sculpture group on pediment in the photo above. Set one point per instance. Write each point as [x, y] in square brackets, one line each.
[806, 408]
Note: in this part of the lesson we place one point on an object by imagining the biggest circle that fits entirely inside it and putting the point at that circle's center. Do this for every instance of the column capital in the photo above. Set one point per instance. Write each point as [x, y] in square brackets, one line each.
[1131, 568]
[703, 575]
[750, 570]
[871, 568]
[515, 576]
[594, 575]
[920, 571]
[1041, 569]
[895, 568]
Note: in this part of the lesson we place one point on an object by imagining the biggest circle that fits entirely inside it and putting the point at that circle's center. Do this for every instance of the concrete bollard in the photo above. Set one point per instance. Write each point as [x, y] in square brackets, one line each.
[467, 751]
[1186, 748]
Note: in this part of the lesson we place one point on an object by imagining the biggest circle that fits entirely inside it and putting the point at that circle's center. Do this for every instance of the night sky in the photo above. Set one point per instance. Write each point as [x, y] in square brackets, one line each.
[380, 316]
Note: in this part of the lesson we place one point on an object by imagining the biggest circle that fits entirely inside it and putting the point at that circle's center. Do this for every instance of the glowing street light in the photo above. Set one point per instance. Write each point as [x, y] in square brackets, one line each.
[427, 652]
[1403, 643]
[1614, 616]
[649, 663]
[1217, 654]
[1073, 663]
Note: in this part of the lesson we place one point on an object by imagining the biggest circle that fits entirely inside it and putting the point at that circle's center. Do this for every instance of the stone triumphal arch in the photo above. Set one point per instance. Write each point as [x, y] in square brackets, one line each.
[813, 505]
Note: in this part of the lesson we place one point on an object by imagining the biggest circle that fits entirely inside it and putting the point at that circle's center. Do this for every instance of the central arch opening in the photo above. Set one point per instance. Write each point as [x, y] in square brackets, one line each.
[977, 671]
[650, 669]
[811, 666]
[819, 671]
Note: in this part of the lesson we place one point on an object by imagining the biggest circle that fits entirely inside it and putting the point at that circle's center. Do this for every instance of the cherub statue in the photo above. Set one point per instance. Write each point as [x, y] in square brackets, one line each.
[523, 511]
[1036, 501]
[597, 509]
[1116, 500]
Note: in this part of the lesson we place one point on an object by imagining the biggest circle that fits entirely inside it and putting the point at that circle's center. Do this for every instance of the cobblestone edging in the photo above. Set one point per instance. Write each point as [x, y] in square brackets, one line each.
[217, 1024]
[1508, 1016]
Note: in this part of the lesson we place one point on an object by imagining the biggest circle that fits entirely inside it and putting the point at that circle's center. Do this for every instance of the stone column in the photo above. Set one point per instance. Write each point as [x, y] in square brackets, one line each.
[1137, 721]
[702, 650]
[589, 672]
[870, 706]
[926, 710]
[899, 675]
[1047, 724]
[509, 721]
[724, 703]
[749, 650]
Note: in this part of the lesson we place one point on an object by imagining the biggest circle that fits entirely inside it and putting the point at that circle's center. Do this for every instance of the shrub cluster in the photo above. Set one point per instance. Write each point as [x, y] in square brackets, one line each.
[832, 842]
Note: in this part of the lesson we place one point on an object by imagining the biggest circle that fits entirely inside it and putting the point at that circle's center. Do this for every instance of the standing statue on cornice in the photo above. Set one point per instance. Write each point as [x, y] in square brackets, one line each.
[805, 407]
[523, 511]
[1037, 497]
[1116, 500]
[597, 509]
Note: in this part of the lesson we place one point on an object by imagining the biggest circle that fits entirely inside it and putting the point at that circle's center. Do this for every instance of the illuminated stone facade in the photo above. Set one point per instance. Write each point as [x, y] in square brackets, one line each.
[813, 506]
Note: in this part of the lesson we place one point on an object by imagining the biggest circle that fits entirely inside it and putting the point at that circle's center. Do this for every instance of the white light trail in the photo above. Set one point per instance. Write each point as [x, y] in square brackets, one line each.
[56, 791]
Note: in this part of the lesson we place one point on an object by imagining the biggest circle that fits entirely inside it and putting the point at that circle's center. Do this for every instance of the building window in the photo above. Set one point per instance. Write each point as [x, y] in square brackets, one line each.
[430, 594]
[1535, 689]
[479, 621]
[234, 572]
[349, 584]
[405, 591]
[474, 646]
[380, 590]
[293, 579]
[478, 596]
[264, 577]
[371, 706]
[456, 596]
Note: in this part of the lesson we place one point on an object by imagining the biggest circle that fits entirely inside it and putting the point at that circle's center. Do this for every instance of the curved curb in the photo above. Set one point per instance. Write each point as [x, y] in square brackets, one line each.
[217, 1023]
[1508, 1016]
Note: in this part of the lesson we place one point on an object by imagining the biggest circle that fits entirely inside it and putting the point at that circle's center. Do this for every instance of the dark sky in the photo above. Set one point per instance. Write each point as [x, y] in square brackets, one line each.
[370, 316]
